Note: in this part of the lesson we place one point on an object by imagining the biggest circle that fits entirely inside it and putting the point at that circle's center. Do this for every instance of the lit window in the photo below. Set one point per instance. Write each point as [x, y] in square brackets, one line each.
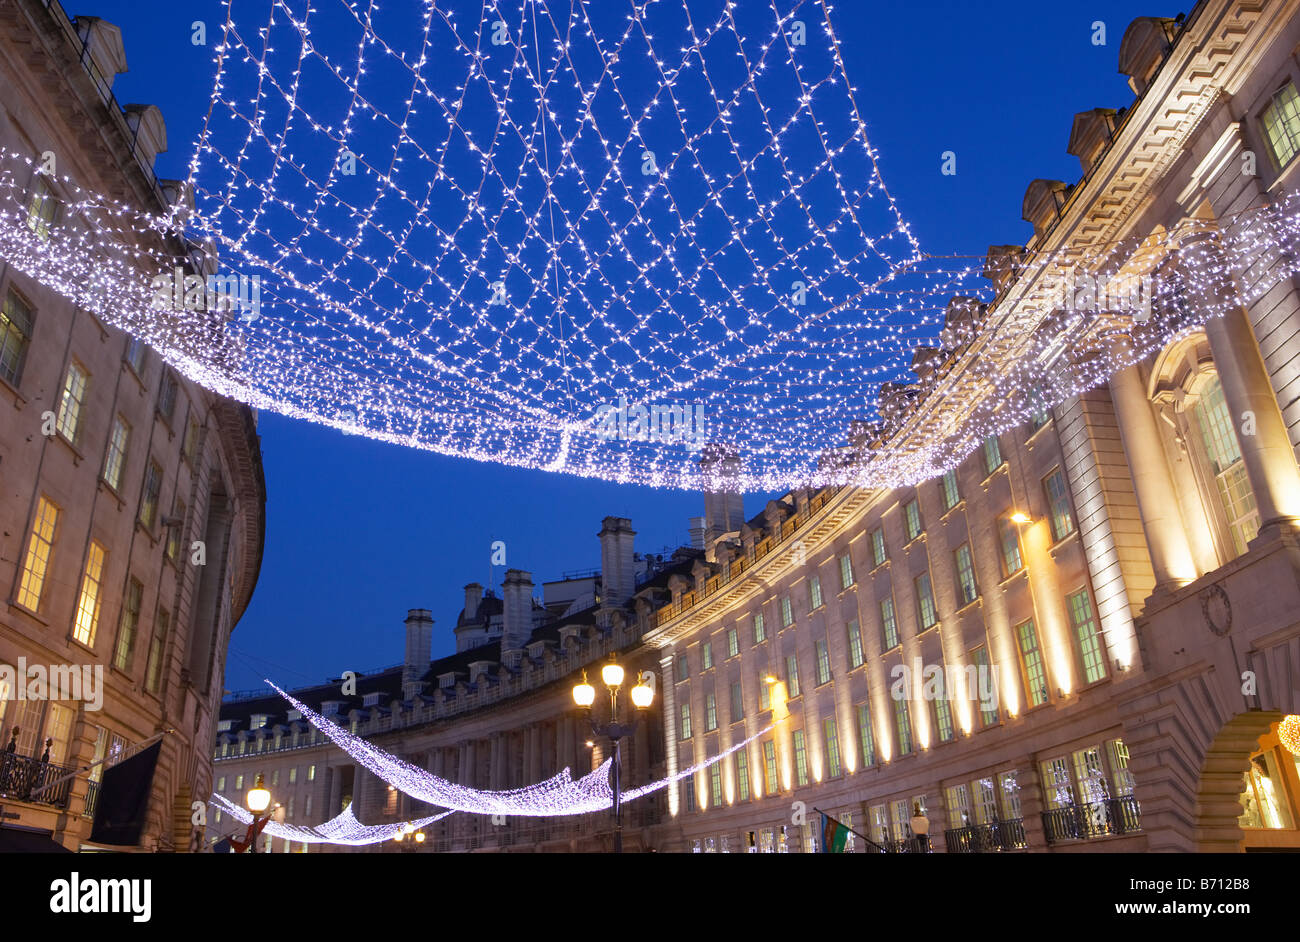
[706, 653]
[1031, 664]
[686, 721]
[865, 739]
[764, 693]
[1010, 789]
[856, 656]
[903, 722]
[1214, 422]
[191, 439]
[39, 548]
[1281, 121]
[149, 500]
[42, 210]
[925, 612]
[88, 603]
[878, 546]
[1010, 538]
[966, 590]
[958, 801]
[128, 626]
[710, 712]
[1058, 503]
[769, 768]
[1057, 787]
[715, 784]
[742, 775]
[988, 709]
[943, 716]
[1085, 632]
[760, 630]
[814, 593]
[846, 571]
[888, 624]
[912, 515]
[733, 642]
[787, 615]
[293, 775]
[157, 645]
[115, 461]
[823, 662]
[950, 495]
[15, 337]
[70, 402]
[792, 675]
[1264, 794]
[992, 454]
[680, 667]
[833, 769]
[174, 534]
[800, 758]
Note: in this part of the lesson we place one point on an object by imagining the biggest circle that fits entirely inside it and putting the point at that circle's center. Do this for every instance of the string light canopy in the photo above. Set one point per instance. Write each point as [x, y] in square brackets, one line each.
[559, 795]
[343, 828]
[596, 238]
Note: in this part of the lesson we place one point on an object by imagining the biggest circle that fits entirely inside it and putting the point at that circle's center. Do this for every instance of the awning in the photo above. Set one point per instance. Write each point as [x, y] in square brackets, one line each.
[17, 840]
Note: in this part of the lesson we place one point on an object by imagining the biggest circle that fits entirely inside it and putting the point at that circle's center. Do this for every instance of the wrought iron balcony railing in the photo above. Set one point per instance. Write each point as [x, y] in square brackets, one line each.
[984, 838]
[23, 778]
[1092, 819]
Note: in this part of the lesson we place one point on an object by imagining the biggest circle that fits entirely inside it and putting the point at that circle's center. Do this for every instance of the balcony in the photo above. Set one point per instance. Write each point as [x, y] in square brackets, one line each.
[1092, 819]
[21, 776]
[986, 838]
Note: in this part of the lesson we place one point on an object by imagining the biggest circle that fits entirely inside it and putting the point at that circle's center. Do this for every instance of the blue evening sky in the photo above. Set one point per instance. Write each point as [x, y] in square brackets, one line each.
[358, 532]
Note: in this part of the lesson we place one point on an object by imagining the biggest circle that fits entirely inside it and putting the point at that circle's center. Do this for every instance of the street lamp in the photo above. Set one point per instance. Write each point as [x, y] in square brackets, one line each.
[258, 801]
[642, 696]
[921, 827]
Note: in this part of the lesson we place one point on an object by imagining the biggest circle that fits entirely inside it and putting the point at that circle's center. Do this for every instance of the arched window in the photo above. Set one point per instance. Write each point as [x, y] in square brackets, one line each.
[1221, 453]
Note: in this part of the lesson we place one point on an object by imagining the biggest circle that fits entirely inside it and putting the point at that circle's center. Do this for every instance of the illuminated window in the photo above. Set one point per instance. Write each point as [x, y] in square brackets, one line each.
[823, 662]
[800, 758]
[115, 460]
[1031, 664]
[68, 423]
[39, 548]
[770, 785]
[1010, 539]
[986, 801]
[787, 615]
[1264, 794]
[792, 675]
[710, 712]
[293, 775]
[983, 669]
[149, 500]
[966, 589]
[191, 439]
[958, 801]
[878, 546]
[686, 721]
[59, 728]
[15, 336]
[856, 656]
[742, 775]
[715, 784]
[91, 597]
[865, 738]
[764, 693]
[925, 612]
[42, 210]
[903, 723]
[1060, 515]
[846, 571]
[157, 646]
[814, 593]
[1057, 787]
[1281, 120]
[888, 624]
[1086, 637]
[680, 669]
[174, 534]
[912, 519]
[706, 654]
[943, 717]
[760, 630]
[992, 454]
[733, 642]
[1211, 417]
[833, 769]
[1010, 790]
[950, 495]
[128, 626]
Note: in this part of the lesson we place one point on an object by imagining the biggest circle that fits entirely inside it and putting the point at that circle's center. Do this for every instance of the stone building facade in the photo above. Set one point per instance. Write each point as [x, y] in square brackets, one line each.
[132, 499]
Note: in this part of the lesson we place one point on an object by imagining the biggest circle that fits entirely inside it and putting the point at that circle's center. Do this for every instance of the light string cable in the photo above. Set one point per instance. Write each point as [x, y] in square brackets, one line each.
[343, 828]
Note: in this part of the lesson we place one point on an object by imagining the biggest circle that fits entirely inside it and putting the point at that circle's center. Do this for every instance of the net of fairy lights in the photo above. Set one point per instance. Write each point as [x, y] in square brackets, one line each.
[598, 238]
[343, 828]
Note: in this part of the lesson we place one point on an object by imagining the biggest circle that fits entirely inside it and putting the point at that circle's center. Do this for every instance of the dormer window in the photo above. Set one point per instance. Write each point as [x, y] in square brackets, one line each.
[1281, 121]
[258, 720]
[372, 699]
[223, 726]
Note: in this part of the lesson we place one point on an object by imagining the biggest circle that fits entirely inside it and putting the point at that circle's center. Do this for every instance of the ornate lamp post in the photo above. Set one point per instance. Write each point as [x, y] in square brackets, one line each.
[258, 800]
[921, 827]
[643, 694]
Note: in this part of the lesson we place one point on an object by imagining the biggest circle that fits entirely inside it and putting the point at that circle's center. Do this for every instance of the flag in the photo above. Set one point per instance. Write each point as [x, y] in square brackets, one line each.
[834, 836]
[124, 799]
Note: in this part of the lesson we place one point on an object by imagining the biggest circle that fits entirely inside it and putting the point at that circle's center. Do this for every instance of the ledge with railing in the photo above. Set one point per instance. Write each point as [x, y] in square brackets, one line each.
[985, 838]
[23, 778]
[1092, 819]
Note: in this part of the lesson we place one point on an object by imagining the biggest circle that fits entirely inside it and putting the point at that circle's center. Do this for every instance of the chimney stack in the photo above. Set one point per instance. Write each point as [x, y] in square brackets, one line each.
[473, 593]
[724, 504]
[419, 640]
[697, 532]
[617, 566]
[517, 609]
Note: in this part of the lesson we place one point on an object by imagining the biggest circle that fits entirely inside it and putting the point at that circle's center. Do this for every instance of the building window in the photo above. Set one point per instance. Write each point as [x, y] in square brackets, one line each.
[1010, 539]
[1031, 664]
[888, 624]
[715, 784]
[866, 741]
[1085, 633]
[760, 630]
[992, 454]
[42, 210]
[175, 533]
[770, 784]
[764, 693]
[1211, 417]
[115, 460]
[1010, 789]
[1060, 515]
[925, 612]
[1281, 120]
[988, 708]
[1264, 793]
[149, 502]
[157, 645]
[733, 642]
[679, 667]
[958, 800]
[710, 712]
[686, 721]
[823, 662]
[73, 397]
[846, 571]
[800, 758]
[912, 519]
[688, 794]
[136, 352]
[1057, 787]
[902, 818]
[792, 675]
[1117, 752]
[951, 497]
[167, 396]
[856, 656]
[966, 590]
[92, 590]
[15, 337]
[742, 775]
[706, 655]
[191, 439]
[737, 701]
[986, 801]
[39, 549]
[1038, 420]
[878, 546]
[787, 615]
[293, 775]
[833, 769]
[128, 626]
[814, 593]
[904, 724]
[943, 717]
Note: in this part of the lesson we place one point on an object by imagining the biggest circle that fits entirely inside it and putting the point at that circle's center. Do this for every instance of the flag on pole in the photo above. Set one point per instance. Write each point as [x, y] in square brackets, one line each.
[834, 835]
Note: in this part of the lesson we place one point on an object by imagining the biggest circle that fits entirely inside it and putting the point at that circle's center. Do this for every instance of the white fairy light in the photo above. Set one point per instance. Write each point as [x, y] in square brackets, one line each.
[343, 828]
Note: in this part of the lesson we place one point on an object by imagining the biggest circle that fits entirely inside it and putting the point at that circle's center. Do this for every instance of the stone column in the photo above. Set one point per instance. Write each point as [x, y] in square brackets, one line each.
[1171, 555]
[668, 698]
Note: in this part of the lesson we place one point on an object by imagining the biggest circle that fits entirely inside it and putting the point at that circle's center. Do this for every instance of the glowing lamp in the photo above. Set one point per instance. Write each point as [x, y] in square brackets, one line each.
[258, 798]
[769, 679]
[584, 694]
[612, 674]
[1288, 732]
[1020, 517]
[642, 695]
[419, 837]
